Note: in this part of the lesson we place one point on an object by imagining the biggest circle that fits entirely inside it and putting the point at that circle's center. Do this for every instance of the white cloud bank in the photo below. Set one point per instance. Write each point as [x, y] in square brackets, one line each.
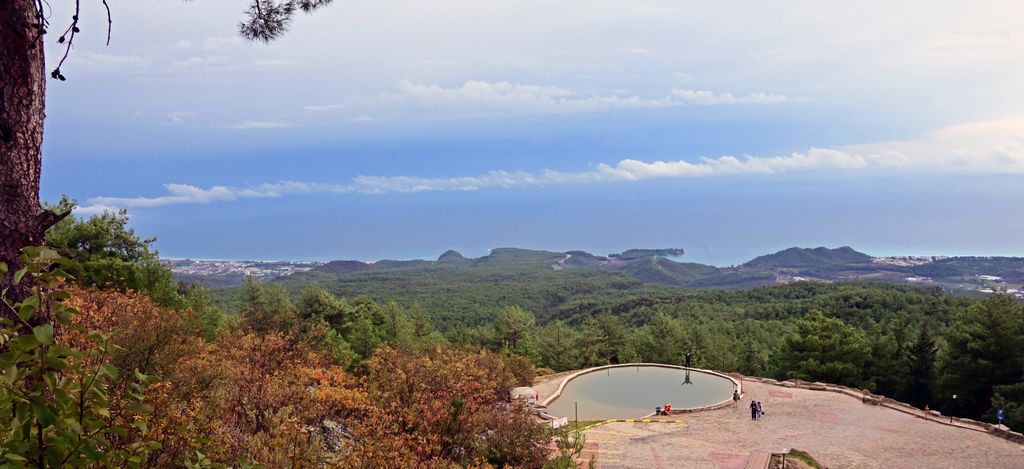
[980, 147]
[506, 96]
[254, 124]
[709, 98]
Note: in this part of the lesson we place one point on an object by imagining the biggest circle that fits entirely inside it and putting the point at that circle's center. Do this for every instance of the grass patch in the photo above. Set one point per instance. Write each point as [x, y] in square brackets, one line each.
[803, 457]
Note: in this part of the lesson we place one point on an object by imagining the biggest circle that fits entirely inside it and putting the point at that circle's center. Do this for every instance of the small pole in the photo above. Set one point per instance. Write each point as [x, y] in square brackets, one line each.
[576, 404]
[951, 412]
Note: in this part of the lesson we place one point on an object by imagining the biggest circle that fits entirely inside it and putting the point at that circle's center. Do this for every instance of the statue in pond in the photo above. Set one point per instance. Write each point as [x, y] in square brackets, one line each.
[689, 358]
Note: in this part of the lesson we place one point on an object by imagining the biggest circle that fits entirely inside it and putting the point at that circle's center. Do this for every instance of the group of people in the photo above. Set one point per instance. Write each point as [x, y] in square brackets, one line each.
[756, 411]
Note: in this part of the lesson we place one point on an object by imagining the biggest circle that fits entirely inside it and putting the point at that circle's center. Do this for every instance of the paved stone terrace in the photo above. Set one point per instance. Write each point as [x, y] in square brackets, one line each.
[838, 430]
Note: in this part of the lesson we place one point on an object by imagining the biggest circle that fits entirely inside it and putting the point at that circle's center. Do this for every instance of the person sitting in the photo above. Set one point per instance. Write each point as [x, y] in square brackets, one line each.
[668, 408]
[657, 411]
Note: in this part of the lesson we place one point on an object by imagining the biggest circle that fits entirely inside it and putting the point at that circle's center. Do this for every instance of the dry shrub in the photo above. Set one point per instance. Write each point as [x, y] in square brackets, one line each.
[446, 406]
[245, 397]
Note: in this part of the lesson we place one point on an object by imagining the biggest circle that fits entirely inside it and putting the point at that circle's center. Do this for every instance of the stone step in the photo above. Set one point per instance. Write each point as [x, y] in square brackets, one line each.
[759, 460]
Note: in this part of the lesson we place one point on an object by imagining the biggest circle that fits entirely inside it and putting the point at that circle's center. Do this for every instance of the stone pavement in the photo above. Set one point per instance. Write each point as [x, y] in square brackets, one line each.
[838, 430]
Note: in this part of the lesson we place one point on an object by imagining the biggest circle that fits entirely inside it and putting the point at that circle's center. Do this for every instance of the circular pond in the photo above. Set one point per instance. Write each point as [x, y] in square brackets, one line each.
[633, 391]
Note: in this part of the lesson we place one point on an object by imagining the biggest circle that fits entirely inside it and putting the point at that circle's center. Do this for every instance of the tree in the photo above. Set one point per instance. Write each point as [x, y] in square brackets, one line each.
[514, 325]
[603, 339]
[396, 327]
[752, 360]
[108, 253]
[1009, 398]
[985, 342]
[316, 302]
[22, 91]
[23, 27]
[921, 371]
[661, 340]
[267, 309]
[422, 327]
[557, 344]
[364, 337]
[825, 349]
[252, 295]
[884, 372]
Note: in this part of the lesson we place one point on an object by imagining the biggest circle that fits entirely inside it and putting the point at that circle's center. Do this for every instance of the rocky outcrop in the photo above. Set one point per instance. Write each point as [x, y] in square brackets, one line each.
[337, 440]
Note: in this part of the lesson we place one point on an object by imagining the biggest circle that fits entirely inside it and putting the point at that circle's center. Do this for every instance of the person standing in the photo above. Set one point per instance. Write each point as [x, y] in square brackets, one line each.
[760, 410]
[1000, 415]
[753, 410]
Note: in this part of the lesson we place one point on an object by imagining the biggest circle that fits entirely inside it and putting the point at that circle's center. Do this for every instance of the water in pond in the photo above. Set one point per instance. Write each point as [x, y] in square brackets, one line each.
[634, 391]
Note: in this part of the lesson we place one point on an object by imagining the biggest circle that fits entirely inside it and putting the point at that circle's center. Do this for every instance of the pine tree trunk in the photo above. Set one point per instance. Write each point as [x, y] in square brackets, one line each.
[22, 90]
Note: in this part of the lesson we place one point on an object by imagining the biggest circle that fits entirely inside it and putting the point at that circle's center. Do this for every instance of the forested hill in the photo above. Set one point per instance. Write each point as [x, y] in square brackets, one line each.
[800, 258]
[471, 291]
[575, 285]
[548, 281]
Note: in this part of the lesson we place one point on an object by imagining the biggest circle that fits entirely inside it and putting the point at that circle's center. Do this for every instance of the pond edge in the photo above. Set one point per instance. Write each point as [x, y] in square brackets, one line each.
[736, 383]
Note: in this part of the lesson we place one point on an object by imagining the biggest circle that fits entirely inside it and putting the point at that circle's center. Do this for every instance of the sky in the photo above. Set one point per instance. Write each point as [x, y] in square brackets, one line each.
[401, 129]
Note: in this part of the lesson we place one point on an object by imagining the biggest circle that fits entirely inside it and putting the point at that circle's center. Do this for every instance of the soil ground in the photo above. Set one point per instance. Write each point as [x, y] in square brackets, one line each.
[837, 430]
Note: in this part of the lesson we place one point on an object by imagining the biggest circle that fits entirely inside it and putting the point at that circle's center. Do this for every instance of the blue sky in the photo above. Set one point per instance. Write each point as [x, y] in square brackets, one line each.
[400, 129]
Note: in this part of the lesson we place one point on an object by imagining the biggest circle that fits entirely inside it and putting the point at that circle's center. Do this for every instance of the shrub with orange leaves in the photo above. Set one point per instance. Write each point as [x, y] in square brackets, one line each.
[276, 389]
[267, 397]
[245, 397]
[158, 341]
[443, 406]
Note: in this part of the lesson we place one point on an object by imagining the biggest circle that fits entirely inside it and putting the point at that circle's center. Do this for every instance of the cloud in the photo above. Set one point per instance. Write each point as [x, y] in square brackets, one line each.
[993, 146]
[682, 76]
[633, 51]
[324, 107]
[94, 209]
[200, 61]
[272, 63]
[187, 194]
[709, 98]
[253, 124]
[503, 96]
[361, 119]
[109, 60]
[484, 91]
[655, 10]
[628, 170]
[177, 117]
[222, 42]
